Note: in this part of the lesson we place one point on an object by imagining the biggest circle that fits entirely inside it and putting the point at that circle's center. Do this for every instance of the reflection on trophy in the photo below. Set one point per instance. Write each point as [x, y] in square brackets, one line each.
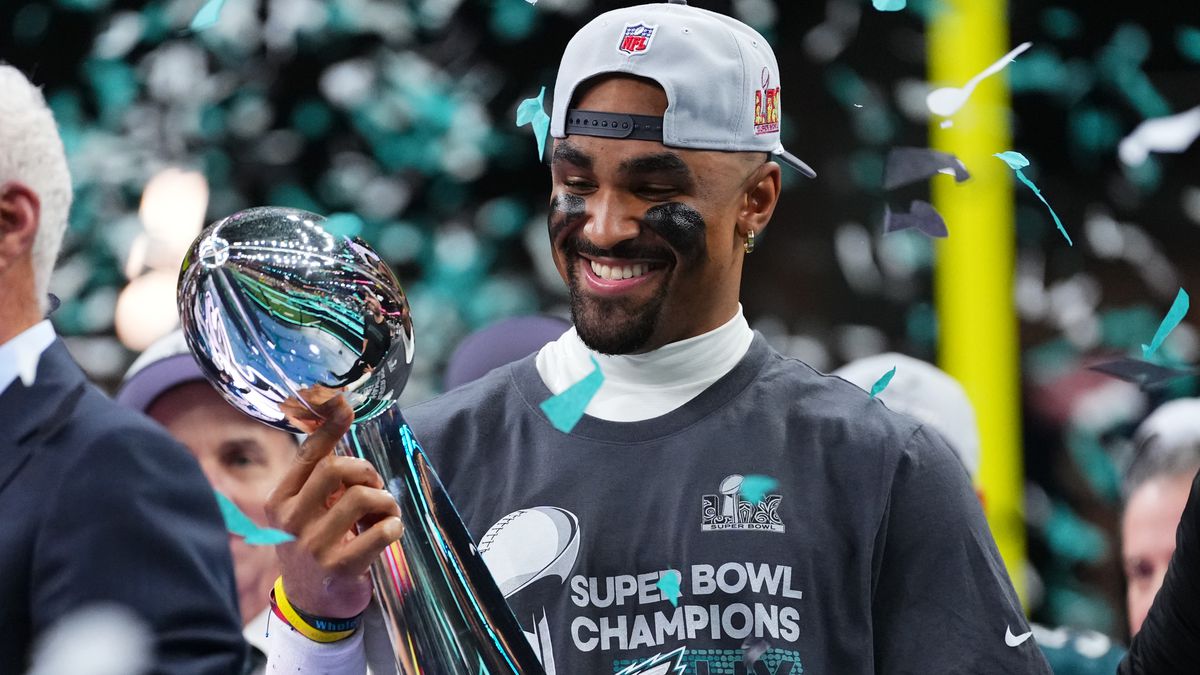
[282, 316]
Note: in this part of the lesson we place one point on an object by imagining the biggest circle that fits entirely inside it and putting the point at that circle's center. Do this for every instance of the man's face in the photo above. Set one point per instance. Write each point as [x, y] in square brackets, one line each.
[244, 460]
[1148, 540]
[646, 236]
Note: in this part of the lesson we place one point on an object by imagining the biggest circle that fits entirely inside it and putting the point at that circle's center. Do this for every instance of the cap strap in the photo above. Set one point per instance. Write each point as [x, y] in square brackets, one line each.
[614, 125]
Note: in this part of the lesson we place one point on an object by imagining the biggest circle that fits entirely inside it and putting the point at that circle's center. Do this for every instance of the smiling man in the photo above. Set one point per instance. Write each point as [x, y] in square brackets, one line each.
[646, 270]
[719, 507]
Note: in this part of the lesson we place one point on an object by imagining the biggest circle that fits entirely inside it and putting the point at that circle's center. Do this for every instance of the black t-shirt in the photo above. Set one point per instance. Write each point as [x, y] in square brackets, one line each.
[871, 555]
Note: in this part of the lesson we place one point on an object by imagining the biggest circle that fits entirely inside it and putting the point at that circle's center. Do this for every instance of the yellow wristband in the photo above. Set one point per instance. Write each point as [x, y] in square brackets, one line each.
[299, 624]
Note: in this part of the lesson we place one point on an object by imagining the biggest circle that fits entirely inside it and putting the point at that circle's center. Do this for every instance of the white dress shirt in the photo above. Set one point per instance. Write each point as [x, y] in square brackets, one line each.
[19, 356]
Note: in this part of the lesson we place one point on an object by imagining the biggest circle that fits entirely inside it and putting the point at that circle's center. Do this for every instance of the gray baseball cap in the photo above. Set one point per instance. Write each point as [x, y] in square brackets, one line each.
[720, 76]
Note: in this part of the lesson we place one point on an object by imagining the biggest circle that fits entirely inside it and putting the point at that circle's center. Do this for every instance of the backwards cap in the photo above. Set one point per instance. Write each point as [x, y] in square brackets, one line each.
[720, 76]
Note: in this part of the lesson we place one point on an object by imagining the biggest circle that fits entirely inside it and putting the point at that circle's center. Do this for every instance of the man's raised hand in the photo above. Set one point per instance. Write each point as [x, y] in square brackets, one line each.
[341, 516]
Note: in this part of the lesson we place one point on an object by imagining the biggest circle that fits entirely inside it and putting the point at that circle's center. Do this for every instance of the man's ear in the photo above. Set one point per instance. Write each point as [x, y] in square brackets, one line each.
[759, 199]
[20, 211]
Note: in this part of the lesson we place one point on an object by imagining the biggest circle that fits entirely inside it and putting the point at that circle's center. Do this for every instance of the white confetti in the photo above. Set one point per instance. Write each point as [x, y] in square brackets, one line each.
[1174, 133]
[946, 101]
[95, 640]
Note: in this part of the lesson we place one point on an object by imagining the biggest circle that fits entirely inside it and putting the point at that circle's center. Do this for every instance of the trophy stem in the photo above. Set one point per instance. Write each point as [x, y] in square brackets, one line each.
[443, 611]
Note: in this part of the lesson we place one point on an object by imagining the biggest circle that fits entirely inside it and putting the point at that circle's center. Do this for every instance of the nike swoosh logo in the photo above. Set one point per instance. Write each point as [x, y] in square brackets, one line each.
[1015, 640]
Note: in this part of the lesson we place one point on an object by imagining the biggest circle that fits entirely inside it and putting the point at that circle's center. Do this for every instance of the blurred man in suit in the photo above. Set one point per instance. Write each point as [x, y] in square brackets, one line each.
[100, 505]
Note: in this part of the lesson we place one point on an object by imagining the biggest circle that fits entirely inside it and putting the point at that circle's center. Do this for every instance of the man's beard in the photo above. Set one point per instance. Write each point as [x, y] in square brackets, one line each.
[613, 325]
[622, 325]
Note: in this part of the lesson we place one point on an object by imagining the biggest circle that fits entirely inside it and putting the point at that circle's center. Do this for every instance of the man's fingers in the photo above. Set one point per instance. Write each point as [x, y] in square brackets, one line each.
[363, 549]
[338, 416]
[359, 503]
[332, 476]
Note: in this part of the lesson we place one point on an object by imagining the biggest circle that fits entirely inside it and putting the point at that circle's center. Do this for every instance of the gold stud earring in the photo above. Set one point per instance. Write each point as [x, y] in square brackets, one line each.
[749, 243]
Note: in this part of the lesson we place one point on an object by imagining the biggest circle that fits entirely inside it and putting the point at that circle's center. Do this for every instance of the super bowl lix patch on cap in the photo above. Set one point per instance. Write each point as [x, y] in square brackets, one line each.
[766, 106]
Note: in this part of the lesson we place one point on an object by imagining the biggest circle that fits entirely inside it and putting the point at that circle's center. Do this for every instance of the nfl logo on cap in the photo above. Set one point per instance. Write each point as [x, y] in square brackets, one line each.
[636, 38]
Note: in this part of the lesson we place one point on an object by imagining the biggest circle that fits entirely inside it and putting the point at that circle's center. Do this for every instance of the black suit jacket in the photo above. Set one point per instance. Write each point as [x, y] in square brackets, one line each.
[99, 504]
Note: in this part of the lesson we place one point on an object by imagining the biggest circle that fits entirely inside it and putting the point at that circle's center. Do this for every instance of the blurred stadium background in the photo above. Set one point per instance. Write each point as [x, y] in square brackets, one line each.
[398, 116]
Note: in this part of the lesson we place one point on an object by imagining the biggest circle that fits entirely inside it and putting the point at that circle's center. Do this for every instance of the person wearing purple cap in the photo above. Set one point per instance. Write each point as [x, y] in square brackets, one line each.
[242, 458]
[717, 507]
[499, 344]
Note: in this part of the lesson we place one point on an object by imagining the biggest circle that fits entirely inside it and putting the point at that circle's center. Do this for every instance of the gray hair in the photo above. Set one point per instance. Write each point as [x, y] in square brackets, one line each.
[1156, 459]
[31, 152]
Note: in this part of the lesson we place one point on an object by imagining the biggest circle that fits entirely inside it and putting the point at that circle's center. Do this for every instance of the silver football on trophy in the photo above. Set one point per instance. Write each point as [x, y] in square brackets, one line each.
[283, 315]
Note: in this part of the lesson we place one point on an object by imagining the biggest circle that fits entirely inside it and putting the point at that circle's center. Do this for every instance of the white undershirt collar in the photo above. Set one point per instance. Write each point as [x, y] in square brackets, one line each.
[19, 356]
[643, 386]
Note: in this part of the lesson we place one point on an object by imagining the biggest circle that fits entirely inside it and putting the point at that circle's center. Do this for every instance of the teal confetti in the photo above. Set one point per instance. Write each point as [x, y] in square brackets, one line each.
[1187, 40]
[1016, 161]
[1147, 176]
[756, 487]
[86, 5]
[512, 21]
[240, 524]
[1094, 462]
[889, 5]
[668, 583]
[873, 122]
[115, 86]
[343, 224]
[1178, 309]
[1120, 64]
[883, 382]
[312, 118]
[1061, 23]
[1094, 131]
[1072, 538]
[30, 22]
[1041, 70]
[294, 196]
[565, 410]
[1036, 191]
[207, 16]
[532, 112]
